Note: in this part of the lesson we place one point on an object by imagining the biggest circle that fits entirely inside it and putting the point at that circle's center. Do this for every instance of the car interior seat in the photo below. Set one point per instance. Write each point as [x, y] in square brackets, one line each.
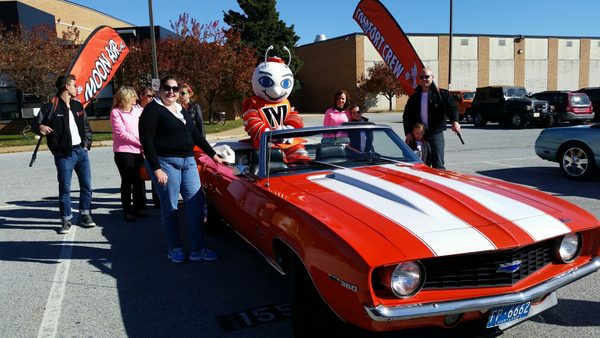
[276, 163]
[331, 153]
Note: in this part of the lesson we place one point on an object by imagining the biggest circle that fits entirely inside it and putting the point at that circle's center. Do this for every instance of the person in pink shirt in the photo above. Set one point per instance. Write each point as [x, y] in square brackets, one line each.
[124, 119]
[337, 114]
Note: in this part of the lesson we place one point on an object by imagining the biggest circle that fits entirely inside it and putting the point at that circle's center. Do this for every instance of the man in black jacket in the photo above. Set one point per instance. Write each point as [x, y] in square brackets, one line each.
[69, 137]
[431, 106]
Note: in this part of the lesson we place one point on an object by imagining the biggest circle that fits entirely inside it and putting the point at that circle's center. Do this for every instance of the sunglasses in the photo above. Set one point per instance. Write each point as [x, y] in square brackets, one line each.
[184, 93]
[168, 88]
[150, 96]
[424, 77]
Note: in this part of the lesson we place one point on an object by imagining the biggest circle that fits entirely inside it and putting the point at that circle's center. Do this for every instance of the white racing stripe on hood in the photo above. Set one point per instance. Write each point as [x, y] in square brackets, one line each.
[441, 231]
[535, 222]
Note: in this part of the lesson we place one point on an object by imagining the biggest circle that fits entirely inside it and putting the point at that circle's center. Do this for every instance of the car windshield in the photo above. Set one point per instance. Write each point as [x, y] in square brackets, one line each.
[336, 148]
[469, 95]
[515, 92]
[580, 100]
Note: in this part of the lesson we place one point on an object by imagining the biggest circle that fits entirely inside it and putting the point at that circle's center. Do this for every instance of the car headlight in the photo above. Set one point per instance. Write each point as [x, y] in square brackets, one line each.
[569, 247]
[406, 279]
[529, 107]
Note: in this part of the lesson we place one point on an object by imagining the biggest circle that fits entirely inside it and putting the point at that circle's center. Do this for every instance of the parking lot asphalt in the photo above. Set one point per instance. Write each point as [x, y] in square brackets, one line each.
[115, 281]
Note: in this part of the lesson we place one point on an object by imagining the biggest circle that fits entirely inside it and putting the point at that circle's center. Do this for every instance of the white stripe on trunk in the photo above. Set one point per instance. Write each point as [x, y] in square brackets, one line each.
[444, 233]
[535, 222]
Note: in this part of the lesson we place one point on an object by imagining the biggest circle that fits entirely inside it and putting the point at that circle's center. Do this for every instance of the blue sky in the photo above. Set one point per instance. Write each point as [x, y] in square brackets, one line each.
[334, 17]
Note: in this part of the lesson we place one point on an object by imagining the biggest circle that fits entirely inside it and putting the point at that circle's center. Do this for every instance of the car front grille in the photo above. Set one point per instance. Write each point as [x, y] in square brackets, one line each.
[541, 107]
[481, 270]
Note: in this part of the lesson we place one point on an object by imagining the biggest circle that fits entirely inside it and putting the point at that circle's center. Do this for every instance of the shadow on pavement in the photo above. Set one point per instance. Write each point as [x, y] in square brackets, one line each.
[563, 314]
[547, 179]
[159, 298]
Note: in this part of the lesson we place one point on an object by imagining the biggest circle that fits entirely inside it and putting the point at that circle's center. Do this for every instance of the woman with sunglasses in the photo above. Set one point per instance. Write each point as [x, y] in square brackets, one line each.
[146, 95]
[185, 99]
[168, 136]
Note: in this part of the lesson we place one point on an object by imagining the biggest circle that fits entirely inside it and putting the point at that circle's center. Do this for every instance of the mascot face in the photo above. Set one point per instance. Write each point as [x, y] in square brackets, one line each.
[272, 80]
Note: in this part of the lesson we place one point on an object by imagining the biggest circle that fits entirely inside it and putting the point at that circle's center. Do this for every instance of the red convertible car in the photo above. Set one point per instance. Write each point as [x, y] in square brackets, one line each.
[372, 238]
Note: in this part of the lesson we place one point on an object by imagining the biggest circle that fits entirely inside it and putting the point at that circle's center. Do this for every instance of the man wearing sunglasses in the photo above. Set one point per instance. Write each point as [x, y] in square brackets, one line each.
[431, 106]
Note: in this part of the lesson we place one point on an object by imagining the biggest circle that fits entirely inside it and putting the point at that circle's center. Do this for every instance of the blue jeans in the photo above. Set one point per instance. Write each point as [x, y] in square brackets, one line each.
[183, 178]
[437, 143]
[79, 161]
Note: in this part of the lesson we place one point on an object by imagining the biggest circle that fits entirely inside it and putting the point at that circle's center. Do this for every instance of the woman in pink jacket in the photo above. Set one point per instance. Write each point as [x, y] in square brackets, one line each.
[124, 119]
[337, 114]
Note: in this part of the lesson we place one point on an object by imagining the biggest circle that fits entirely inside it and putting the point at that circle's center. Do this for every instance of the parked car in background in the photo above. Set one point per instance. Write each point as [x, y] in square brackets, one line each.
[510, 106]
[594, 94]
[376, 239]
[576, 149]
[463, 100]
[575, 108]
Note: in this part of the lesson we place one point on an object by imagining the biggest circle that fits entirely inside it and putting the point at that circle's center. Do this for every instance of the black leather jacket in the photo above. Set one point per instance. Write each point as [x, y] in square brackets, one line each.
[59, 140]
[440, 106]
[196, 114]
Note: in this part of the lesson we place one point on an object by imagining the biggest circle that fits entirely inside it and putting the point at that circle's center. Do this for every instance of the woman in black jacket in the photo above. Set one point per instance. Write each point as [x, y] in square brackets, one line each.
[185, 99]
[168, 136]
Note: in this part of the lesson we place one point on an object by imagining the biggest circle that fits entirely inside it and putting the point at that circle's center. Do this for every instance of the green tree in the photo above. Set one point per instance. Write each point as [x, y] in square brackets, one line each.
[260, 27]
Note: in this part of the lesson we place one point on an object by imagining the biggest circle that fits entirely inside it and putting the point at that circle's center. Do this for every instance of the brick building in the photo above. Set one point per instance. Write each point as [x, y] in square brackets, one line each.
[536, 62]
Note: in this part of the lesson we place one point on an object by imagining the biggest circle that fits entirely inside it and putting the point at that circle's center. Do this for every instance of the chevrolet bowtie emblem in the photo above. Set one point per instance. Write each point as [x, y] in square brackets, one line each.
[510, 267]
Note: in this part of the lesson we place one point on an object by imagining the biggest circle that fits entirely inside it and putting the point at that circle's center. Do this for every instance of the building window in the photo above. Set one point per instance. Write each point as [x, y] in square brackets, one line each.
[598, 43]
[502, 42]
[569, 43]
[464, 42]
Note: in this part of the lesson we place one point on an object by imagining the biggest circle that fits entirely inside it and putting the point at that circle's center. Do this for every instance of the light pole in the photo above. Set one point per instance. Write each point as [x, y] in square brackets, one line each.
[450, 51]
[152, 42]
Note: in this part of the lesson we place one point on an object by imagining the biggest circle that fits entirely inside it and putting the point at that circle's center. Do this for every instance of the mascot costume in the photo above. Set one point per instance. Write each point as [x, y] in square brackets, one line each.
[269, 108]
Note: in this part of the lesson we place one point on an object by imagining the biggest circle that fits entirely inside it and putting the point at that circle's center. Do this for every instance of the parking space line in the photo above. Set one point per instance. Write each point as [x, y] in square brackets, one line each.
[49, 325]
[501, 165]
[492, 162]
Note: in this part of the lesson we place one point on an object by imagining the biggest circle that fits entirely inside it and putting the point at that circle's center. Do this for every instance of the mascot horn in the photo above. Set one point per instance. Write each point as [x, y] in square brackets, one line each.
[269, 108]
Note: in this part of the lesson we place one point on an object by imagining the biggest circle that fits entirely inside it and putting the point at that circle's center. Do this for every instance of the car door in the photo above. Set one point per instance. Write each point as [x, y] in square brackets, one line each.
[497, 104]
[243, 201]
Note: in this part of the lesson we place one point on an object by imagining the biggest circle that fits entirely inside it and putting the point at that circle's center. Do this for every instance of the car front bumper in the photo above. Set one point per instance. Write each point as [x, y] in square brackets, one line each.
[390, 313]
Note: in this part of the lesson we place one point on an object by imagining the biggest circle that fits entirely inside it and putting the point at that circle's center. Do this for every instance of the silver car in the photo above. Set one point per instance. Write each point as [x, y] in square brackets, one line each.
[576, 149]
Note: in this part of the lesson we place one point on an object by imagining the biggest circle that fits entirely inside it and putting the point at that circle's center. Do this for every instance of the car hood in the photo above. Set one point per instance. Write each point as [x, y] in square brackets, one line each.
[427, 212]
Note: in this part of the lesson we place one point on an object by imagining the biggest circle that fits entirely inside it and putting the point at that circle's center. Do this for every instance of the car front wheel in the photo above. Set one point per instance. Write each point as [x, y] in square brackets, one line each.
[577, 162]
[310, 314]
[468, 116]
[479, 120]
[549, 121]
[517, 121]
